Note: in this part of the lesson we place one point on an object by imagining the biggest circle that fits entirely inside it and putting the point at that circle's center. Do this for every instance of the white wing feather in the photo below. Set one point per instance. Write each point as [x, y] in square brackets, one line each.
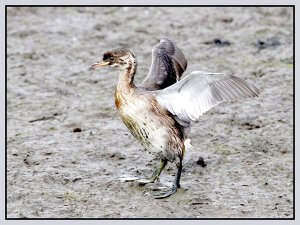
[198, 92]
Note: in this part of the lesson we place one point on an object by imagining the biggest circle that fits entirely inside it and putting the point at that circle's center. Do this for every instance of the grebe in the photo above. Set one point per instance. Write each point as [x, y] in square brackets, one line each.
[158, 111]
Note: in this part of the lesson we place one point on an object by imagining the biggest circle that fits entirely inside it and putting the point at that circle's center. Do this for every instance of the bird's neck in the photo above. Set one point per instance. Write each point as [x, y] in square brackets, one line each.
[127, 73]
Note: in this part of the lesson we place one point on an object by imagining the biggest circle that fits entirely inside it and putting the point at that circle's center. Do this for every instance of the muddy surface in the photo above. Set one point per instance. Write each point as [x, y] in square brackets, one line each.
[68, 152]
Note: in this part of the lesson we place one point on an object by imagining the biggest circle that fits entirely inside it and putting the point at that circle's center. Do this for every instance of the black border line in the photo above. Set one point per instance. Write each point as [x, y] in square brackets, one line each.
[5, 112]
[294, 113]
[173, 6]
[66, 218]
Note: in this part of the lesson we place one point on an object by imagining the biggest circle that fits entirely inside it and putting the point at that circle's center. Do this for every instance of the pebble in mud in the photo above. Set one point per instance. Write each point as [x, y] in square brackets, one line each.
[201, 162]
[77, 130]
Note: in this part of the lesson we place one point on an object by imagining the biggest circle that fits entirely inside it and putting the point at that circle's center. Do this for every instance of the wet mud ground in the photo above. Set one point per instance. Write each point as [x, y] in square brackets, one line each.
[68, 151]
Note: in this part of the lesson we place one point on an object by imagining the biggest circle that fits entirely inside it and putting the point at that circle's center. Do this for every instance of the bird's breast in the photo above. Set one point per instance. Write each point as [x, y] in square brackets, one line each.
[137, 114]
[153, 127]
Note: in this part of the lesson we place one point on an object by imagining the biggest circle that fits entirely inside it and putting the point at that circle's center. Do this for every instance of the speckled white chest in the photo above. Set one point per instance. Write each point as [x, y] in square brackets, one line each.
[144, 125]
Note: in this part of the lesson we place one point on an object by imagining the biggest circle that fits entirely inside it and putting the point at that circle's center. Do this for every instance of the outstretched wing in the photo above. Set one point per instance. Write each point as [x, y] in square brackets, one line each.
[168, 64]
[198, 92]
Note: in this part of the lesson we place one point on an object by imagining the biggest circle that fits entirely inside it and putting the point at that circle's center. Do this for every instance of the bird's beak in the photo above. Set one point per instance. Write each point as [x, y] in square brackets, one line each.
[99, 64]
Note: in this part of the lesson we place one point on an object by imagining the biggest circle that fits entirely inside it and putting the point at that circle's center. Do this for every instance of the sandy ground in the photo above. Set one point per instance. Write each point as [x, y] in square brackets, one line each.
[67, 149]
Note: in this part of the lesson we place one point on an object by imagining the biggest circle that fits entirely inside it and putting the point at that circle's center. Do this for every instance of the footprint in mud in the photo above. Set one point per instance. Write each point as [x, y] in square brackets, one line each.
[218, 42]
[249, 126]
[269, 42]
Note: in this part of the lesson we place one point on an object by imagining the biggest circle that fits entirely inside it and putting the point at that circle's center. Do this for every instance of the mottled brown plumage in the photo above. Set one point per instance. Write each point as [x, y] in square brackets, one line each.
[142, 114]
[158, 111]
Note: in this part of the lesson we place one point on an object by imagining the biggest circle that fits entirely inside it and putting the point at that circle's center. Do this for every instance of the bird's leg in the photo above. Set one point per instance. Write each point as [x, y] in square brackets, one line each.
[156, 173]
[175, 185]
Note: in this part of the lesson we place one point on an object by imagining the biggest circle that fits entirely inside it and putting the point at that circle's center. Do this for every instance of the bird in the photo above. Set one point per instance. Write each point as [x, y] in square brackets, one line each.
[159, 111]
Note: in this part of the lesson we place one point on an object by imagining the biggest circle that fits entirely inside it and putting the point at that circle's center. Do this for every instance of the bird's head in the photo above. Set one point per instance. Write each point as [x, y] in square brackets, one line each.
[116, 58]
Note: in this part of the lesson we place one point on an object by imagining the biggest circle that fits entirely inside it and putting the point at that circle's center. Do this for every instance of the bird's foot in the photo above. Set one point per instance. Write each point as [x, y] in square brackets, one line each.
[147, 180]
[167, 193]
[140, 181]
[128, 178]
[175, 186]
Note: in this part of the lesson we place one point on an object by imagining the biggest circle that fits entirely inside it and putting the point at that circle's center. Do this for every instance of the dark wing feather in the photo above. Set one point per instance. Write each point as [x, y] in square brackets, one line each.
[168, 64]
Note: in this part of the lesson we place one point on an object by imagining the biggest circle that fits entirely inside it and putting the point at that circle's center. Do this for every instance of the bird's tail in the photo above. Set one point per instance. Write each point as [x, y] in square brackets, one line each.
[188, 144]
